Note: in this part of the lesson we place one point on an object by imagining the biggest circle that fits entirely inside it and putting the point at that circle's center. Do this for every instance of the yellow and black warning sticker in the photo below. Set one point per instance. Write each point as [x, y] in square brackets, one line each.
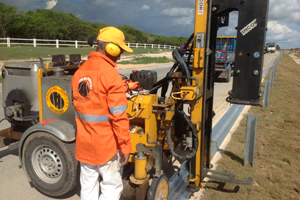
[57, 100]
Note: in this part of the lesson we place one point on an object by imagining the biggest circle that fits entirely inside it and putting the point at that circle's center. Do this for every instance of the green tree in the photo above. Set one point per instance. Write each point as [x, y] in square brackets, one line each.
[50, 24]
[40, 24]
[134, 34]
[7, 15]
[277, 47]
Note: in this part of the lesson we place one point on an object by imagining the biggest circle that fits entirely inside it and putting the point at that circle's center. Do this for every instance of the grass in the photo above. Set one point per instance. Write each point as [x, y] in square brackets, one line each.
[277, 154]
[147, 60]
[17, 52]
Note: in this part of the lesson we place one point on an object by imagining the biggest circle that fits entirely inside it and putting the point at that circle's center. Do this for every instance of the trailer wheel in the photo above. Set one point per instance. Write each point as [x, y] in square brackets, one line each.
[50, 163]
[159, 188]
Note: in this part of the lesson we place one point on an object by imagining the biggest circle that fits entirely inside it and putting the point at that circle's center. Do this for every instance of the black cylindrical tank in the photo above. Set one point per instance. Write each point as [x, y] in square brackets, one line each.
[146, 78]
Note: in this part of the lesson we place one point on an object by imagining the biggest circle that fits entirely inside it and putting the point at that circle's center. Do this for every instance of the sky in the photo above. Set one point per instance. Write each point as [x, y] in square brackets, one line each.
[170, 17]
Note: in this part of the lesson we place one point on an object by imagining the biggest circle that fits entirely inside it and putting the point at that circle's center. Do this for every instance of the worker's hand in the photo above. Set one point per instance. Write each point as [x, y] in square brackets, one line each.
[126, 157]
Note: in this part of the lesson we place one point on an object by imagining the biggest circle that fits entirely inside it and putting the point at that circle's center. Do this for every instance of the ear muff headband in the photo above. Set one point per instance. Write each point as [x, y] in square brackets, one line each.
[113, 49]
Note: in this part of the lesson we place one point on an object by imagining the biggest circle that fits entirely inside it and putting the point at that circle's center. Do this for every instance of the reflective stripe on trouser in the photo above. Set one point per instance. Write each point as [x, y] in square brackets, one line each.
[111, 185]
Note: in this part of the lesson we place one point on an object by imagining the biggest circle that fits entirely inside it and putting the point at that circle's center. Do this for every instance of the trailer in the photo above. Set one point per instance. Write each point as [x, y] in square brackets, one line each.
[225, 55]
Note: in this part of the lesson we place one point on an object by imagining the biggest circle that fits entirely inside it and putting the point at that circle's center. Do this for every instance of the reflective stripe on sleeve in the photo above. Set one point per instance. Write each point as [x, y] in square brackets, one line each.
[92, 118]
[117, 109]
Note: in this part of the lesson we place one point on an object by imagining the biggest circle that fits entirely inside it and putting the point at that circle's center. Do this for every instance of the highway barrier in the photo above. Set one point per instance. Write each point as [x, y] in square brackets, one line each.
[222, 128]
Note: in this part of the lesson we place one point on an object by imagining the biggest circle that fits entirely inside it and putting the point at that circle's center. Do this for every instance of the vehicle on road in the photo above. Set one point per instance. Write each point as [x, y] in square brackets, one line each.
[270, 48]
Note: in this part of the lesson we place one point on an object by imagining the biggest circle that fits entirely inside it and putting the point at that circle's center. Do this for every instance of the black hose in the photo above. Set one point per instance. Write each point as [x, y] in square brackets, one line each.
[158, 84]
[2, 120]
[182, 65]
[188, 42]
[194, 131]
[163, 117]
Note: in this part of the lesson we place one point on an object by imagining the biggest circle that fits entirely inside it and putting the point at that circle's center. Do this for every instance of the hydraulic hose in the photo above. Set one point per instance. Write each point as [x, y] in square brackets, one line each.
[194, 132]
[182, 65]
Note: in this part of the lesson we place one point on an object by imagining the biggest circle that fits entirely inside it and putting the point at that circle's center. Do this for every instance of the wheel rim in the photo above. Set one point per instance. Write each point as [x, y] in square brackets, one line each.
[47, 164]
[162, 190]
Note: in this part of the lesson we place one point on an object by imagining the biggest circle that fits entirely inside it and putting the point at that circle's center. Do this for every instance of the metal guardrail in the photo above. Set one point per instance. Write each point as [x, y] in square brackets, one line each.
[221, 129]
[71, 43]
[219, 132]
[269, 84]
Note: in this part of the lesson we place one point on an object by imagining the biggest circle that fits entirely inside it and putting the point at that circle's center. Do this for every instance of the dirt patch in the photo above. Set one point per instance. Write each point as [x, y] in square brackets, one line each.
[152, 55]
[295, 58]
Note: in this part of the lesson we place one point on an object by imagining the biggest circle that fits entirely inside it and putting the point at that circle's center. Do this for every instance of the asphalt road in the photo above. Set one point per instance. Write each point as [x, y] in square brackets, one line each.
[14, 184]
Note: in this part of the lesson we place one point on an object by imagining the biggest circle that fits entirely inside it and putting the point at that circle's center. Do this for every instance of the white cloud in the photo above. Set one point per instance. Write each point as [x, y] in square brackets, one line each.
[104, 3]
[51, 4]
[280, 33]
[180, 16]
[230, 31]
[177, 12]
[288, 11]
[183, 21]
[145, 7]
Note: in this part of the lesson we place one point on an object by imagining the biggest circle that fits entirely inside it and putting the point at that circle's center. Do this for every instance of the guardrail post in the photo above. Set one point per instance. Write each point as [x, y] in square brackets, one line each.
[272, 77]
[152, 46]
[76, 44]
[164, 46]
[250, 140]
[158, 46]
[57, 44]
[145, 46]
[34, 42]
[8, 41]
[137, 45]
[266, 94]
[128, 44]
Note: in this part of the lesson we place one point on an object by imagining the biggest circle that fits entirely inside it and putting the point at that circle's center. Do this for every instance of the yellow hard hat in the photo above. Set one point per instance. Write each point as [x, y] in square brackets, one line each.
[113, 35]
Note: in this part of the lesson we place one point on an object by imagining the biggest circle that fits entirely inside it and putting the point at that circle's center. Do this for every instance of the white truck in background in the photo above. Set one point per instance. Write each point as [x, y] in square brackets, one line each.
[270, 47]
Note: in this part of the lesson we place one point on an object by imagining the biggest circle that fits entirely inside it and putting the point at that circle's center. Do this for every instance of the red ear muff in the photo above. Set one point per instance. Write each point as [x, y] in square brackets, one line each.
[112, 49]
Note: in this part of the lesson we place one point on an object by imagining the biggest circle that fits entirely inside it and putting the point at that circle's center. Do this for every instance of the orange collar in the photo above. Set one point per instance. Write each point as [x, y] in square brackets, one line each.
[98, 54]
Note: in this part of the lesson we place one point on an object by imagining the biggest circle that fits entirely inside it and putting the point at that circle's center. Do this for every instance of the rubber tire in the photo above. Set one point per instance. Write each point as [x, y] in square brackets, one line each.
[155, 185]
[65, 151]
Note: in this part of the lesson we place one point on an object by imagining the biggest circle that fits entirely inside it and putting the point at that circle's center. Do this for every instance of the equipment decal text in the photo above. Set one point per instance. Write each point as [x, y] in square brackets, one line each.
[200, 7]
[249, 27]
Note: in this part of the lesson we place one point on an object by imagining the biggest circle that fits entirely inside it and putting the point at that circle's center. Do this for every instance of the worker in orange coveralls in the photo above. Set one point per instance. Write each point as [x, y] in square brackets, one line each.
[103, 139]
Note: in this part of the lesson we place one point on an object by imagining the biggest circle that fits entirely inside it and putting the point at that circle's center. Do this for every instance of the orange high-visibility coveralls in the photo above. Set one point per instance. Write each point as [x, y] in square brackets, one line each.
[100, 103]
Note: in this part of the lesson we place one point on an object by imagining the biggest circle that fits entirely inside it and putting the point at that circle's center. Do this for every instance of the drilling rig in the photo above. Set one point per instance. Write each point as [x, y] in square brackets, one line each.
[37, 100]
